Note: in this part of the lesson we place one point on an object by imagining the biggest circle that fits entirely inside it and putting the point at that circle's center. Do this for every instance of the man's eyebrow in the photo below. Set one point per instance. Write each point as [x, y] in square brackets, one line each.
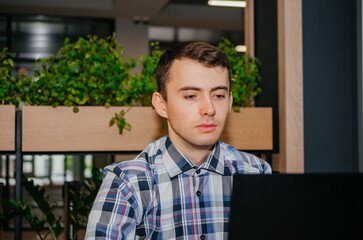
[220, 88]
[186, 88]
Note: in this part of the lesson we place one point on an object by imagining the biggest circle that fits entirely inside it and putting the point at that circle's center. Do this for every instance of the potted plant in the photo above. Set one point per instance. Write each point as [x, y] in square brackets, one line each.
[48, 219]
[83, 76]
[49, 224]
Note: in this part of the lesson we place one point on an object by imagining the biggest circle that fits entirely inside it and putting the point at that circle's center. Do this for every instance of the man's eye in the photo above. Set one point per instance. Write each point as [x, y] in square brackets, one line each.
[220, 96]
[189, 96]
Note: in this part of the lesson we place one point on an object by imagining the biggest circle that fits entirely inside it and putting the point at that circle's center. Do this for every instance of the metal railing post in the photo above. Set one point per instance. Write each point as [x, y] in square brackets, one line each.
[68, 206]
[1, 207]
[19, 173]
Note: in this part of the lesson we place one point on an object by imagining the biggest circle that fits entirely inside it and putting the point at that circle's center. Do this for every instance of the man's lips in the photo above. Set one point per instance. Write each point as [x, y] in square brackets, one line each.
[206, 127]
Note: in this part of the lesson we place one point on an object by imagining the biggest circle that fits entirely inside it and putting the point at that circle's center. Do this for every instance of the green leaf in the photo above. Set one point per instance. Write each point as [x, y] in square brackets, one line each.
[39, 197]
[127, 126]
[74, 68]
[112, 121]
[75, 109]
[66, 40]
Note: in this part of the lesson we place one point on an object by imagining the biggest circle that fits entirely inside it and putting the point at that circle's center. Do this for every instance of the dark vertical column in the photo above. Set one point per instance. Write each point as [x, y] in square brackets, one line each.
[360, 83]
[1, 207]
[330, 80]
[69, 205]
[19, 173]
[266, 52]
[7, 179]
[81, 168]
[50, 167]
[8, 33]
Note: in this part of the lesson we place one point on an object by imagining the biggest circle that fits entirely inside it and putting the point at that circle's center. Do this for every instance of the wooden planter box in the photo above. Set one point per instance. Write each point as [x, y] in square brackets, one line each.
[249, 129]
[7, 128]
[60, 129]
[48, 129]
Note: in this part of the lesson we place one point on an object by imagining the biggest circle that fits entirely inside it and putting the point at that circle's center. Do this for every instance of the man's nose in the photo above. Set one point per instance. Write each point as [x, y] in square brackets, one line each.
[207, 107]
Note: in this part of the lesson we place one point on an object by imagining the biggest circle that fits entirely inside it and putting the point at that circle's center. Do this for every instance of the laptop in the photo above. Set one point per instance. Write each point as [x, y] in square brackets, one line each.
[297, 206]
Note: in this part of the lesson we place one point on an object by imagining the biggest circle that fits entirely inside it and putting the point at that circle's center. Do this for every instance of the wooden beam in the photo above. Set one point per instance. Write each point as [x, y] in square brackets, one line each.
[7, 128]
[290, 64]
[250, 27]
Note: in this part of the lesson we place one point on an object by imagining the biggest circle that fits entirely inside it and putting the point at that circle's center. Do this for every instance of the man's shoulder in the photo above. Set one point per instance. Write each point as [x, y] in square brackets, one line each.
[242, 162]
[143, 164]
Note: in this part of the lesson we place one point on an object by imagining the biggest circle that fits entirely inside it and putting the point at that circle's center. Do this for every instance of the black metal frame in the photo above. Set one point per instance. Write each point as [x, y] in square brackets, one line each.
[19, 172]
[68, 206]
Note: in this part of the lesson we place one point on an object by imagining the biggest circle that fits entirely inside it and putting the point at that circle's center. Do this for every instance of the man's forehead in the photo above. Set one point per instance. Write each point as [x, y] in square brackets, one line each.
[187, 61]
[184, 67]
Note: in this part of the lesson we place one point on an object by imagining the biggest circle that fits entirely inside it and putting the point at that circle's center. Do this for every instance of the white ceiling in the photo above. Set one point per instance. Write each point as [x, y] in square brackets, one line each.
[157, 12]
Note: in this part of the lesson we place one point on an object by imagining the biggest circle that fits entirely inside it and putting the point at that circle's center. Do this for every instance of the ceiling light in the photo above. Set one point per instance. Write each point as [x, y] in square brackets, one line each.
[240, 4]
[241, 48]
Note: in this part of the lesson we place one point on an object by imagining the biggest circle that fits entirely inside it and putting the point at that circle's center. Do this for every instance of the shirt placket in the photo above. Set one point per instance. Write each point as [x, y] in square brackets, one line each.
[198, 195]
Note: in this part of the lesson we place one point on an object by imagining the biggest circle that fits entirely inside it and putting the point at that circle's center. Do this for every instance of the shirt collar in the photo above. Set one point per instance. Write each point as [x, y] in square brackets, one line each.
[176, 163]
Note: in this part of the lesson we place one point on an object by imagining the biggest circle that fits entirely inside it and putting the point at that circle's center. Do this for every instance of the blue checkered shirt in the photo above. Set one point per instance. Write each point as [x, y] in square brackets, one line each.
[162, 195]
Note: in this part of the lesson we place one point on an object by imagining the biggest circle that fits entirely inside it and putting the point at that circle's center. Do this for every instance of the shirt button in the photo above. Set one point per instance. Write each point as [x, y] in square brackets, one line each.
[198, 171]
[198, 194]
[202, 237]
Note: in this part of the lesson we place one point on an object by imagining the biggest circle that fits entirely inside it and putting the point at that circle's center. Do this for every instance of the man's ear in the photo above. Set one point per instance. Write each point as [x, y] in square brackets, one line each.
[159, 104]
[230, 101]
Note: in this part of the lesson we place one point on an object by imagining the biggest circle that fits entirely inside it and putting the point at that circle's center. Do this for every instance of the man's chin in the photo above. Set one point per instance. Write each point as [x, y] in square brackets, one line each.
[205, 143]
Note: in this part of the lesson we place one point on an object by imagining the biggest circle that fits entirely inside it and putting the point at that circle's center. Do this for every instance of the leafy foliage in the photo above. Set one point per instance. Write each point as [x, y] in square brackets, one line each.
[89, 72]
[7, 82]
[142, 85]
[83, 200]
[14, 208]
[95, 72]
[46, 208]
[245, 76]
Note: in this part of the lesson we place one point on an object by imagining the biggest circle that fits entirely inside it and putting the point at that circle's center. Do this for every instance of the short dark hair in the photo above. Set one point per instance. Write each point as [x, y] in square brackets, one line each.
[201, 52]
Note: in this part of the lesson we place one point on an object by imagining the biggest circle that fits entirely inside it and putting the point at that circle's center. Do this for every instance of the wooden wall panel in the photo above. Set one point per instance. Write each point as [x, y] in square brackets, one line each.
[291, 159]
[60, 129]
[250, 27]
[249, 129]
[7, 128]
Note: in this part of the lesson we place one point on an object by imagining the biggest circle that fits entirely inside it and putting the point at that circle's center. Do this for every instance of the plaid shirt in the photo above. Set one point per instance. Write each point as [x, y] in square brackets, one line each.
[162, 195]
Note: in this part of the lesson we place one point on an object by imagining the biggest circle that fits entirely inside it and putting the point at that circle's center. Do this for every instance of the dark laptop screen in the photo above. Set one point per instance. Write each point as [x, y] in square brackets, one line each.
[297, 206]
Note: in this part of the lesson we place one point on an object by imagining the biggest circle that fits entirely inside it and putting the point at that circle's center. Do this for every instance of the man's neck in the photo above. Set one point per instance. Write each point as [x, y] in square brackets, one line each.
[195, 154]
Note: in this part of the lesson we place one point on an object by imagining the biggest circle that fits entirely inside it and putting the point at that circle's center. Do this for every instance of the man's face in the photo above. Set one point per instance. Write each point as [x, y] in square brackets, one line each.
[198, 103]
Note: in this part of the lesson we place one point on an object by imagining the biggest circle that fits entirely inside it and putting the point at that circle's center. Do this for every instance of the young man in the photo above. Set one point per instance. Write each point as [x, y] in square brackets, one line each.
[180, 186]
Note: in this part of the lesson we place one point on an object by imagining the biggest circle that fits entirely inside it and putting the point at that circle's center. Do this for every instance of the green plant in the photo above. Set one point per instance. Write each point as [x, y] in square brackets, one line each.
[82, 204]
[83, 200]
[7, 82]
[14, 208]
[142, 85]
[91, 71]
[94, 72]
[121, 121]
[245, 76]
